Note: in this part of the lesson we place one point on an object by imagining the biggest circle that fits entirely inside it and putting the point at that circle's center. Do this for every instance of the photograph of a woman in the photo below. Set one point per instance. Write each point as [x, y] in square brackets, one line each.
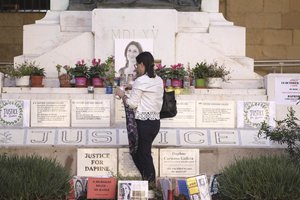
[125, 189]
[131, 51]
[126, 50]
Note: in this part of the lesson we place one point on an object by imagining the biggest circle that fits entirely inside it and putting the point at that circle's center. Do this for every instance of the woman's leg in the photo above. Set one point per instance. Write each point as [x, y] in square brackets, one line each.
[147, 130]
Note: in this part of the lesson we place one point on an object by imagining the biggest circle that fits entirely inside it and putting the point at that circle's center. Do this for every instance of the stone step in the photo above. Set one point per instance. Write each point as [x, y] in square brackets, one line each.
[244, 84]
[82, 93]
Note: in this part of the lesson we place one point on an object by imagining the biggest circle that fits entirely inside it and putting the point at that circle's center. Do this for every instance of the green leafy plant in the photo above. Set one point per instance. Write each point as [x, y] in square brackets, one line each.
[162, 71]
[110, 72]
[177, 71]
[37, 71]
[21, 69]
[200, 71]
[286, 131]
[80, 69]
[98, 69]
[32, 178]
[262, 178]
[217, 71]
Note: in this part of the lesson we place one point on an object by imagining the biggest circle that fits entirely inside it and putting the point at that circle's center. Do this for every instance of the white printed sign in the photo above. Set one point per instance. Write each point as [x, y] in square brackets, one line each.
[252, 114]
[179, 162]
[90, 113]
[14, 113]
[287, 90]
[50, 113]
[96, 162]
[185, 117]
[215, 114]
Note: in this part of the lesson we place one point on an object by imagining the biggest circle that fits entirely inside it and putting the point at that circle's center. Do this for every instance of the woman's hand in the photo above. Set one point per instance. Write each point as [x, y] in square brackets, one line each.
[128, 87]
[119, 92]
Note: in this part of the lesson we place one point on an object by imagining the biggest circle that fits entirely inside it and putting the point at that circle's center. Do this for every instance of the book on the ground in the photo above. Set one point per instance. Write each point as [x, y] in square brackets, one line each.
[101, 188]
[198, 188]
[132, 190]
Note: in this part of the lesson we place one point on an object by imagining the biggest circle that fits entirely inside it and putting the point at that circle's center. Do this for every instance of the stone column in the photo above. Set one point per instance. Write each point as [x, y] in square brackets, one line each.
[210, 6]
[59, 5]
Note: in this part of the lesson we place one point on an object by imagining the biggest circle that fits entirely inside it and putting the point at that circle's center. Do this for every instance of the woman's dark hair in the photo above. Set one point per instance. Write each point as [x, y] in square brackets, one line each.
[147, 59]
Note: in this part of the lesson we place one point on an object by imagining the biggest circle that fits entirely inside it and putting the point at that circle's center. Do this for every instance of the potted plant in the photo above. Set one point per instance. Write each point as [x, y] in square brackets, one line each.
[200, 72]
[109, 74]
[176, 74]
[21, 72]
[97, 72]
[163, 72]
[216, 74]
[37, 76]
[64, 78]
[80, 72]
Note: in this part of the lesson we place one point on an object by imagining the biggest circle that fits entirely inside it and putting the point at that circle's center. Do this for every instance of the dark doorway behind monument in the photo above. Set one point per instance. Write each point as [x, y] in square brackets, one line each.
[181, 5]
[24, 5]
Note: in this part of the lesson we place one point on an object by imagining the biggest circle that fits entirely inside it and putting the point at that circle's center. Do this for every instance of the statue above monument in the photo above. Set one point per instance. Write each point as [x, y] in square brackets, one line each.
[181, 5]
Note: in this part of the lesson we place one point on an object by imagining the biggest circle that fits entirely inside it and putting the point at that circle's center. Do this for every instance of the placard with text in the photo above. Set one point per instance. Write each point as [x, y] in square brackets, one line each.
[101, 188]
[96, 162]
[90, 113]
[215, 114]
[50, 113]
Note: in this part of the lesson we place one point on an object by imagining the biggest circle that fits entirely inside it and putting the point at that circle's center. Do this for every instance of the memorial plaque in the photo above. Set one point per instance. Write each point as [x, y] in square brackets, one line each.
[103, 137]
[252, 114]
[50, 113]
[193, 137]
[215, 114]
[90, 113]
[127, 166]
[179, 162]
[287, 90]
[71, 137]
[250, 138]
[96, 162]
[224, 137]
[14, 113]
[185, 117]
[40, 137]
[12, 137]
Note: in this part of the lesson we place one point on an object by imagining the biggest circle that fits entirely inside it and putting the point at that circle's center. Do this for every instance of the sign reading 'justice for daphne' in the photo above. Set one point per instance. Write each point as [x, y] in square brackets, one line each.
[96, 162]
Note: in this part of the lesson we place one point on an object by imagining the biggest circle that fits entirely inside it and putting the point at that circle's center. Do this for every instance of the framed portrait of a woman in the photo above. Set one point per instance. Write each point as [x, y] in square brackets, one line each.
[126, 51]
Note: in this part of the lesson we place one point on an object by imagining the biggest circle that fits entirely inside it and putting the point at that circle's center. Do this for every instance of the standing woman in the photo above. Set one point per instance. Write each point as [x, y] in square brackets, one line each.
[146, 98]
